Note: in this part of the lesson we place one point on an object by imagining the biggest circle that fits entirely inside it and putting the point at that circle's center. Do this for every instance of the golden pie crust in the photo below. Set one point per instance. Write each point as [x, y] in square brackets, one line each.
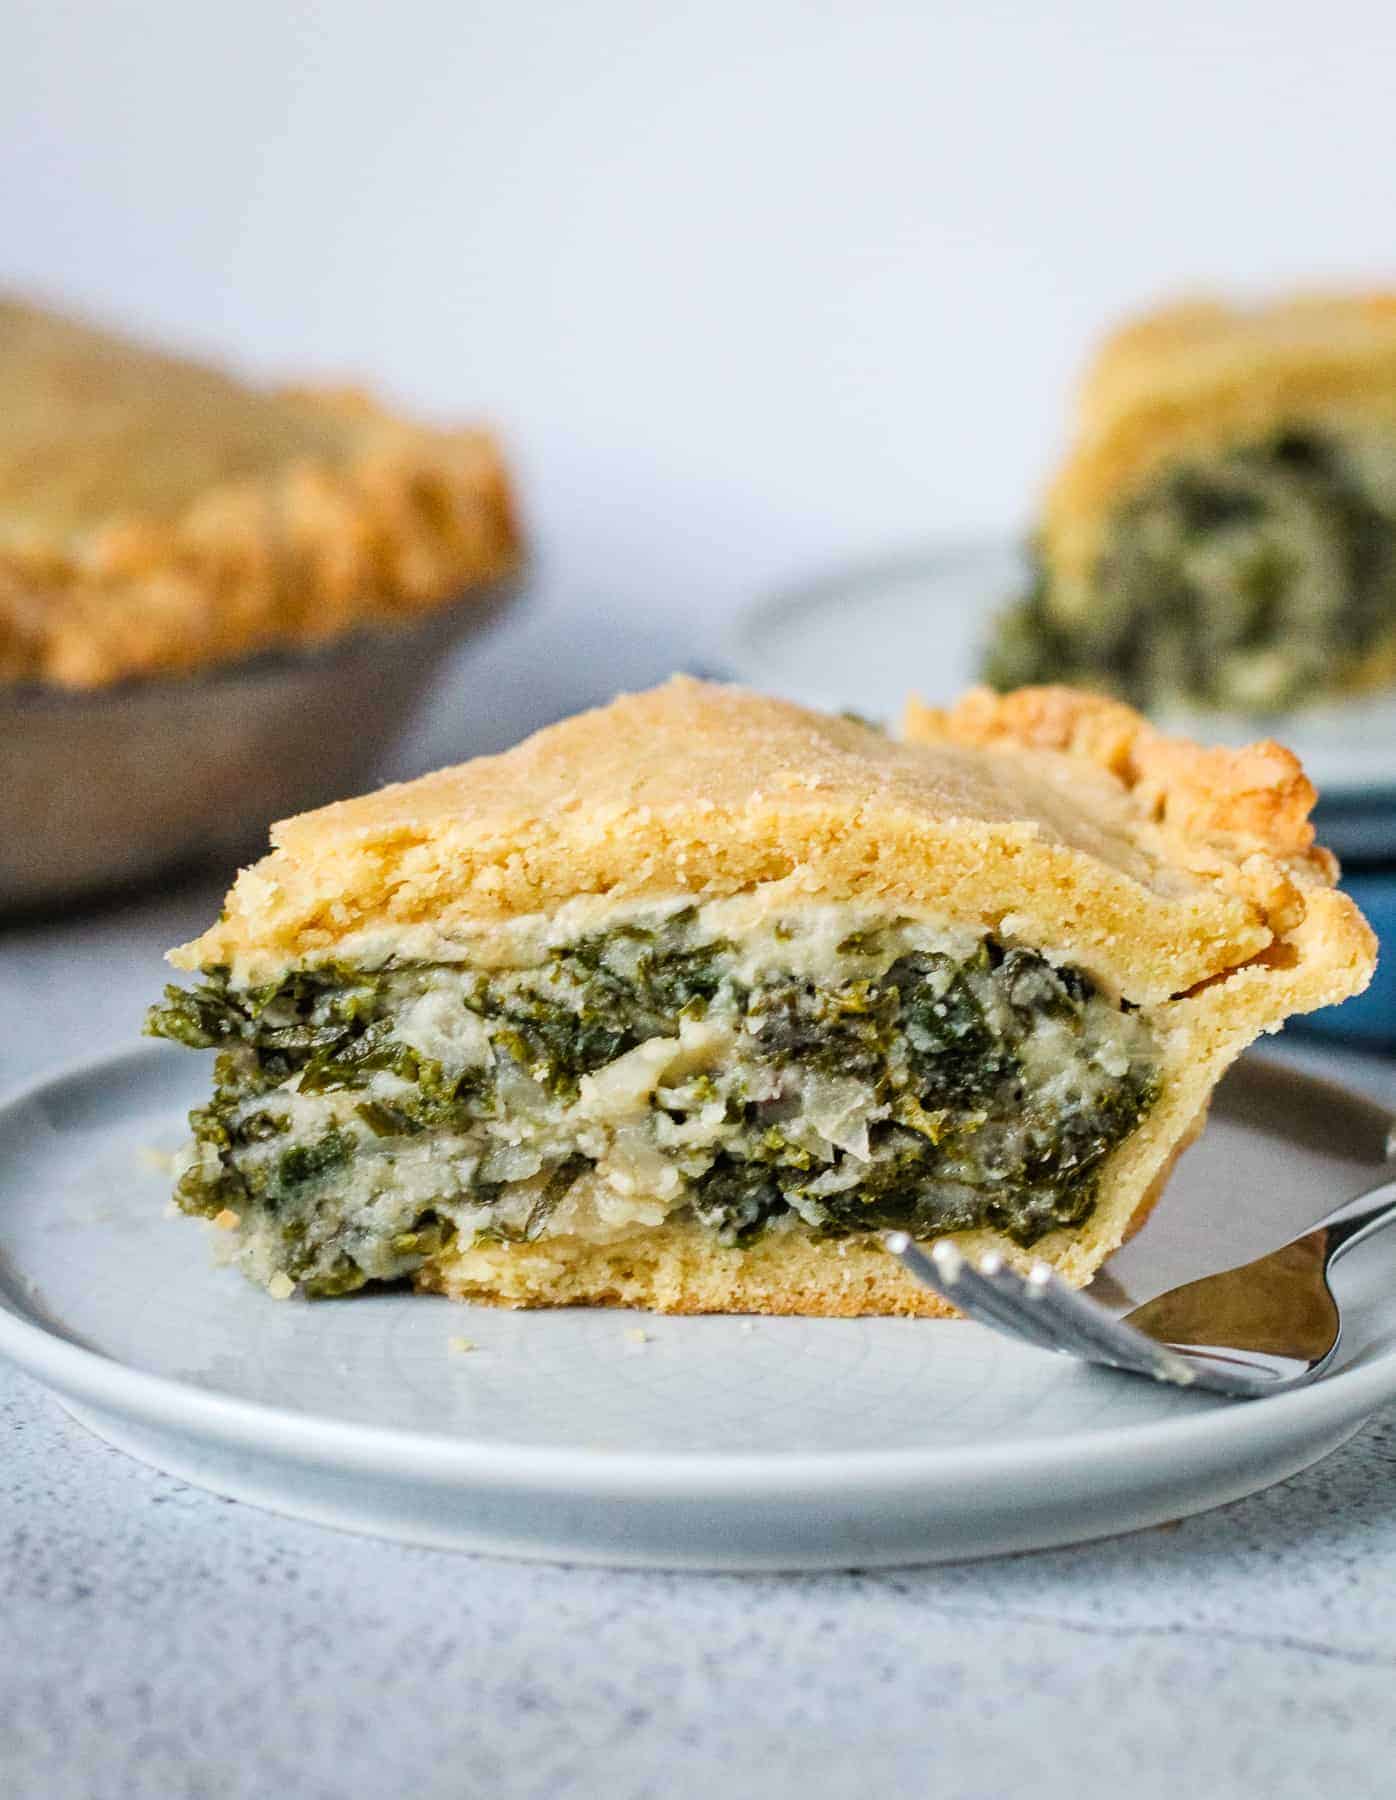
[1185, 880]
[159, 515]
[1193, 379]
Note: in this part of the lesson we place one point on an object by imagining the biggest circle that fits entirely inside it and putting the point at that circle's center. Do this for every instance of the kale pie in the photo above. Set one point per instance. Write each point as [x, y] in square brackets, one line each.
[679, 1002]
[158, 515]
[1223, 531]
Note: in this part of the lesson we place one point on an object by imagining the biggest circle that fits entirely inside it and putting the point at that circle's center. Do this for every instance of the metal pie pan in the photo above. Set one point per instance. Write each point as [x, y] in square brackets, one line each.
[107, 789]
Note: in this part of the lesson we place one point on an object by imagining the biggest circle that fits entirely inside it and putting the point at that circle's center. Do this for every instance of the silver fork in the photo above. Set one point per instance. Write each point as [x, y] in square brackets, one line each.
[1264, 1328]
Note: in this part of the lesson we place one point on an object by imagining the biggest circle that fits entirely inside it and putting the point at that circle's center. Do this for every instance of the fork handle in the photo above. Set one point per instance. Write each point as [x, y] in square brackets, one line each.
[1356, 1220]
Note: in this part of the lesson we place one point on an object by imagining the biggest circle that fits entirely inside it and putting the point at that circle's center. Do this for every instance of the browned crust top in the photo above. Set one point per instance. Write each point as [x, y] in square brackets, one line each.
[159, 515]
[1148, 859]
[1253, 799]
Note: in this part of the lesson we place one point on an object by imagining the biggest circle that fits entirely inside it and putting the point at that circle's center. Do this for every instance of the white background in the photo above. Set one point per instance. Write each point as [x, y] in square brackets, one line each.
[747, 286]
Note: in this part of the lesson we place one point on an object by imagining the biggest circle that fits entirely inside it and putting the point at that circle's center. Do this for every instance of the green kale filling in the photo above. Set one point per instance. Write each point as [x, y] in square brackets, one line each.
[971, 1143]
[1257, 581]
[954, 1068]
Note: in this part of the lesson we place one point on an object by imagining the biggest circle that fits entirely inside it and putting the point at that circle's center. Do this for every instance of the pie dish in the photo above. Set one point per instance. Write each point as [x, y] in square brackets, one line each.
[158, 515]
[678, 1002]
[1222, 532]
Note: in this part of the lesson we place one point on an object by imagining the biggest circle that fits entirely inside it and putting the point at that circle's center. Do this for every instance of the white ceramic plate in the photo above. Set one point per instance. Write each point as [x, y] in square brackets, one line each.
[714, 1443]
[862, 638]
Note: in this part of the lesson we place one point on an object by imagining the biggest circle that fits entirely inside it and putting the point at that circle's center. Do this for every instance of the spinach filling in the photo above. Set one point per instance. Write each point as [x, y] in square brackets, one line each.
[362, 1122]
[1256, 581]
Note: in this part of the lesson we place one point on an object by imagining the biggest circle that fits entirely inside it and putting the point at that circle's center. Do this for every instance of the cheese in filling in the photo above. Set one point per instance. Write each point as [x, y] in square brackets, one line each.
[816, 1067]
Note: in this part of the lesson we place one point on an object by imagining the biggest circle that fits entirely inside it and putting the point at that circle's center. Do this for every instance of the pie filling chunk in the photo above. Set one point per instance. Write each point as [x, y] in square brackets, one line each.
[1251, 582]
[823, 1067]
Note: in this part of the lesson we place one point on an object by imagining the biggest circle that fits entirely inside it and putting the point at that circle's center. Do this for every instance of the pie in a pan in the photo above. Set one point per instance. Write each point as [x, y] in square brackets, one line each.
[679, 1002]
[1222, 532]
[159, 515]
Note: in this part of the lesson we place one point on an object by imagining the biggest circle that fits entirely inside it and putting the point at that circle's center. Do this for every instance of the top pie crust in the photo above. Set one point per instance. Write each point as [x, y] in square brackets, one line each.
[157, 514]
[1055, 818]
[1191, 379]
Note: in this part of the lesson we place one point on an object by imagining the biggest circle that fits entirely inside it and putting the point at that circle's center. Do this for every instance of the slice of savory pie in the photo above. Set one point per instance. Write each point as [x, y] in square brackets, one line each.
[1223, 531]
[157, 514]
[679, 1001]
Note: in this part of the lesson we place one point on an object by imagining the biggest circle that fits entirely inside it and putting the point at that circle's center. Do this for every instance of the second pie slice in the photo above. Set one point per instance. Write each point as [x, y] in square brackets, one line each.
[1222, 532]
[680, 1002]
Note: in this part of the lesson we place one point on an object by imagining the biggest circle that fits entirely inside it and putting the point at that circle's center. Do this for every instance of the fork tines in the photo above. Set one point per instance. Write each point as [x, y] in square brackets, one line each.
[1038, 1308]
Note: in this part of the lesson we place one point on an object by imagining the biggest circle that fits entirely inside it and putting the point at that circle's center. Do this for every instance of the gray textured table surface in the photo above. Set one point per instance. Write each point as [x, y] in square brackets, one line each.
[158, 1642]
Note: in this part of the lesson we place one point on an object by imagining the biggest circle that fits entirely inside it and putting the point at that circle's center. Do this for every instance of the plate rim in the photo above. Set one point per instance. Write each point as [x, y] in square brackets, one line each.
[100, 1380]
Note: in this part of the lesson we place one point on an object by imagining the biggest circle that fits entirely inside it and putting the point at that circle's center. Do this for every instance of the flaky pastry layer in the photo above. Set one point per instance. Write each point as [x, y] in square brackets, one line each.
[1154, 879]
